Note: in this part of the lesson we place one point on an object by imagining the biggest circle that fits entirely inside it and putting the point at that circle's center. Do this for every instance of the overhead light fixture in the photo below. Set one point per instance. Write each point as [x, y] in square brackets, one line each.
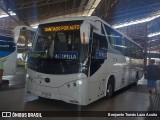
[156, 15]
[34, 26]
[5, 15]
[151, 41]
[153, 34]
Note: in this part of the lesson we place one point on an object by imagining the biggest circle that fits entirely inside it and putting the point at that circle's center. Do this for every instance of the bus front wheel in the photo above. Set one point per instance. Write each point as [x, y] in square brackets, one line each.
[137, 78]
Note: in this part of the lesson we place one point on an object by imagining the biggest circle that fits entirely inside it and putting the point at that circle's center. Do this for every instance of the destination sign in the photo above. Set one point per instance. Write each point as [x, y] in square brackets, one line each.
[62, 28]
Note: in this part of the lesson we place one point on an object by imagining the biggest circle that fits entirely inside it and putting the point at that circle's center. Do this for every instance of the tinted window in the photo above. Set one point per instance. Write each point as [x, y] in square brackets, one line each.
[122, 44]
[99, 42]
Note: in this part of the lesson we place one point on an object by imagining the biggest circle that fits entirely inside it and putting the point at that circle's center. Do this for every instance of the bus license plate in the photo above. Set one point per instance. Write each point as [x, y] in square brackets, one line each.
[46, 95]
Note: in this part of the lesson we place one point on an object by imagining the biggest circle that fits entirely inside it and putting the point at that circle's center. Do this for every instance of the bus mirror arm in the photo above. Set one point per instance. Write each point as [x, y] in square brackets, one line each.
[83, 65]
[85, 62]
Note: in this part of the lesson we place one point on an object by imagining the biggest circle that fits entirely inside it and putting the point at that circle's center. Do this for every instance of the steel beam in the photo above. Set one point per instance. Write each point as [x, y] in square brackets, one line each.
[36, 4]
[19, 16]
[6, 11]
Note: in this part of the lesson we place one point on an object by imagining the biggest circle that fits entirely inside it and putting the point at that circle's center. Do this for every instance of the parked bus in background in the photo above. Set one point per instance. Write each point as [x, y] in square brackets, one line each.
[8, 52]
[23, 36]
[80, 60]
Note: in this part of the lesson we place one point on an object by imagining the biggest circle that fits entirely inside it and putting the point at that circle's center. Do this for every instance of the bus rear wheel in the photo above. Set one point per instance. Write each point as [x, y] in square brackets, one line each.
[137, 78]
[110, 90]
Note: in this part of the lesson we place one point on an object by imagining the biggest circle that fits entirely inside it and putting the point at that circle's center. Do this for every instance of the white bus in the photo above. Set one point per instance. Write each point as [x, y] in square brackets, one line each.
[8, 52]
[23, 36]
[80, 60]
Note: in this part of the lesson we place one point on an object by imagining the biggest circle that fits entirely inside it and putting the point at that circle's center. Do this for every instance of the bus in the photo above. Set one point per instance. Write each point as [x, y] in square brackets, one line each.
[8, 52]
[23, 36]
[80, 60]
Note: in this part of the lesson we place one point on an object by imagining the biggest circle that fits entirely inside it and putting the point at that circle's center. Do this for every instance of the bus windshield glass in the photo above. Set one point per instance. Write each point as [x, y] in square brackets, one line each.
[57, 49]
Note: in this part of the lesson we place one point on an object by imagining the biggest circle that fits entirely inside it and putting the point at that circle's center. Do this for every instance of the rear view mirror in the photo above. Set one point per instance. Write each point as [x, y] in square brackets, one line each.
[19, 29]
[85, 32]
[23, 37]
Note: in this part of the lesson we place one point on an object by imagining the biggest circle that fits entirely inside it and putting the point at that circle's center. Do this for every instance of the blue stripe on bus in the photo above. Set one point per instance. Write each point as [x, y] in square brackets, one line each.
[4, 54]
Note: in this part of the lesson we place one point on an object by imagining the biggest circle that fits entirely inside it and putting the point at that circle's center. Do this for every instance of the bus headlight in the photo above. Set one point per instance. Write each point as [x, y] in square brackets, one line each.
[74, 84]
[27, 75]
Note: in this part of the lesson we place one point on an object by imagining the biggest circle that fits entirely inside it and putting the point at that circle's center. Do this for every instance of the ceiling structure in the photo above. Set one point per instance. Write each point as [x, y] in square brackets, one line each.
[139, 19]
[34, 11]
[121, 11]
[113, 11]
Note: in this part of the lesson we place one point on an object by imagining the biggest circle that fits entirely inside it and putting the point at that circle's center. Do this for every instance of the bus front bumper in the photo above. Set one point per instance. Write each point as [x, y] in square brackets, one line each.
[74, 92]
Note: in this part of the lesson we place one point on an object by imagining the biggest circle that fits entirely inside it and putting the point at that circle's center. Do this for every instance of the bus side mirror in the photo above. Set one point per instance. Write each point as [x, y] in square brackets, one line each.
[17, 31]
[85, 32]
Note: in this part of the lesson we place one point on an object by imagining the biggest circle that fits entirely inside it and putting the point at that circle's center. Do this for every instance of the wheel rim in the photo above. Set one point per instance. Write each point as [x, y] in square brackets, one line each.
[110, 90]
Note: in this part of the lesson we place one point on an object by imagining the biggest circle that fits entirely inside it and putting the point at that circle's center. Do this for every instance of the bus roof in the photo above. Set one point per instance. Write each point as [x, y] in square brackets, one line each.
[91, 18]
[71, 19]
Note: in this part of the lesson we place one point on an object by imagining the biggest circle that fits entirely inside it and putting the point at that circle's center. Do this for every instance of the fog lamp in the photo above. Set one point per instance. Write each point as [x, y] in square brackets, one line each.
[80, 82]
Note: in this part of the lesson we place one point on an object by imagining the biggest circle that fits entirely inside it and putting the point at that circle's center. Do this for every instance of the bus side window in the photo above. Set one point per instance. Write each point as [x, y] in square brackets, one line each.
[99, 43]
[115, 39]
[128, 50]
[112, 40]
[103, 43]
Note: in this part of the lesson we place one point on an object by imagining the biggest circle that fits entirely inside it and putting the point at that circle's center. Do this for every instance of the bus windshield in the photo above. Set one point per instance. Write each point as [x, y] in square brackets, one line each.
[57, 49]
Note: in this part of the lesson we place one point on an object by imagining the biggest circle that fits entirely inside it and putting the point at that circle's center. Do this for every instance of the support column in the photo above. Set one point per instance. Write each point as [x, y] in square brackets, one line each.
[145, 45]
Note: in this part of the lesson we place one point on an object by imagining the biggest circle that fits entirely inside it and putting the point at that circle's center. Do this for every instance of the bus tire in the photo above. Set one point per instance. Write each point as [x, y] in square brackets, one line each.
[41, 98]
[137, 78]
[110, 88]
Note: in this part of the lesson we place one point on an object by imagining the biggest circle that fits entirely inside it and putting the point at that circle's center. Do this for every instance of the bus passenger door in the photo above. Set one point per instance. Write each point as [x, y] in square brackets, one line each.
[98, 57]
